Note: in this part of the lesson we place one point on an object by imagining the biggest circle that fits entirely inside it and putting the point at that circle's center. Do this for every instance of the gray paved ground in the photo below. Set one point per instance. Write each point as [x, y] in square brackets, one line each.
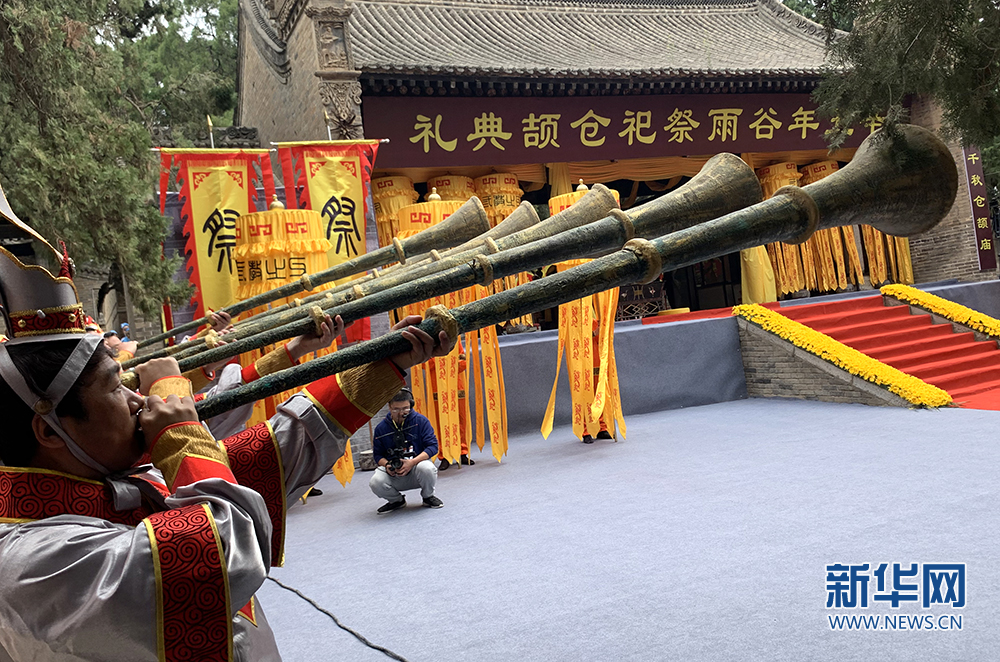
[704, 536]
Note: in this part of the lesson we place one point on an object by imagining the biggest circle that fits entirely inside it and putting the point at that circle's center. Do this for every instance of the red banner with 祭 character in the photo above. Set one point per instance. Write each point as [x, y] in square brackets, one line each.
[449, 131]
[216, 188]
[334, 178]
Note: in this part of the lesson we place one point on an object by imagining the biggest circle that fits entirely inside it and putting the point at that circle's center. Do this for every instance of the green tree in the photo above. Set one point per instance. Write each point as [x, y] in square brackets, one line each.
[82, 82]
[74, 161]
[943, 49]
[189, 55]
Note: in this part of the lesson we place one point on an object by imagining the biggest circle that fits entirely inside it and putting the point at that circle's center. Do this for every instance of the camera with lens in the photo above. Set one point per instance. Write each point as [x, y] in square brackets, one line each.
[398, 452]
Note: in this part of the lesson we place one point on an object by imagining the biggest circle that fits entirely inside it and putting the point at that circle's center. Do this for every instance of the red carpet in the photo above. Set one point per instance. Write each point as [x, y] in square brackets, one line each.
[711, 313]
[969, 370]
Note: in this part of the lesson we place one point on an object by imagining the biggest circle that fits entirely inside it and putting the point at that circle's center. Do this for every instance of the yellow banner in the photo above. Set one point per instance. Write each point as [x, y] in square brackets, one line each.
[219, 196]
[336, 191]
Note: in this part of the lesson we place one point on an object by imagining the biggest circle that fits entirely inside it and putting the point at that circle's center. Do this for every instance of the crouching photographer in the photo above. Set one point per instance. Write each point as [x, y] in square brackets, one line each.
[403, 446]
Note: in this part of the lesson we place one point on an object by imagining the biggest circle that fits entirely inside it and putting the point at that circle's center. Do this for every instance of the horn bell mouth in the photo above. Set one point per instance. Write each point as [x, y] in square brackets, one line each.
[883, 176]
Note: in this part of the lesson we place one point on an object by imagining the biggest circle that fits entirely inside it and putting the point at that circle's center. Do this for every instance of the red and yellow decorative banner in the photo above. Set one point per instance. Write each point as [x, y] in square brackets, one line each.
[334, 178]
[217, 188]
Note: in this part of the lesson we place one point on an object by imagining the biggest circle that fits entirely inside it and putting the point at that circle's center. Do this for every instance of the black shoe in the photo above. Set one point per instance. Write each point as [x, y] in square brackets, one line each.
[315, 492]
[433, 502]
[444, 464]
[604, 434]
[390, 506]
[587, 439]
[467, 460]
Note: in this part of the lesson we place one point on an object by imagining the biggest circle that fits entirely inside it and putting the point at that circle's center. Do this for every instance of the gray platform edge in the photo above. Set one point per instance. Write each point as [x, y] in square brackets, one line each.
[668, 366]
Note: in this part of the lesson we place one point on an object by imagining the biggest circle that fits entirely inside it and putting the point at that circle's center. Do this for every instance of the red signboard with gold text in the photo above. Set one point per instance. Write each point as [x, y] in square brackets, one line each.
[442, 132]
[979, 201]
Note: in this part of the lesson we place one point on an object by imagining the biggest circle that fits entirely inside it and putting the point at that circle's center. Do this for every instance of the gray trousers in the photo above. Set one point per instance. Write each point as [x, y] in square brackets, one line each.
[390, 488]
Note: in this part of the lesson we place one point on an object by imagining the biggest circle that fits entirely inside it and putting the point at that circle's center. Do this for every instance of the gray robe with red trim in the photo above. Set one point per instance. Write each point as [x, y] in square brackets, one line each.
[82, 588]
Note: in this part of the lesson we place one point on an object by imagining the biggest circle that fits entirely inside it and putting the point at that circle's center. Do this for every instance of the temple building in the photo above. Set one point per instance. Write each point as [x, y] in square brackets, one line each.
[635, 94]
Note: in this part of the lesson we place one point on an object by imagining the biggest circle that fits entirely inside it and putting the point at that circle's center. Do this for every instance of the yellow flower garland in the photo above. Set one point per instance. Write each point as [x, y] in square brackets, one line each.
[910, 388]
[947, 309]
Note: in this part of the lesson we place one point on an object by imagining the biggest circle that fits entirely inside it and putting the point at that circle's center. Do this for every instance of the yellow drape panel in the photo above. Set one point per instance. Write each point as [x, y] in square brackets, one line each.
[757, 276]
[499, 194]
[786, 259]
[533, 174]
[559, 179]
[640, 170]
[586, 334]
[414, 218]
[452, 187]
[758, 283]
[390, 194]
[274, 248]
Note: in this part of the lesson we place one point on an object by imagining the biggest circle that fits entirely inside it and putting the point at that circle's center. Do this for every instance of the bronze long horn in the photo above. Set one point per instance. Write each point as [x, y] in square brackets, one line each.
[468, 221]
[902, 184]
[723, 185]
[595, 205]
[522, 218]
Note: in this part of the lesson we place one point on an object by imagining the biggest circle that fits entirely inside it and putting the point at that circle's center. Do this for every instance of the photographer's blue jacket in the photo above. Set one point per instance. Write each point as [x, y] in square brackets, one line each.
[418, 431]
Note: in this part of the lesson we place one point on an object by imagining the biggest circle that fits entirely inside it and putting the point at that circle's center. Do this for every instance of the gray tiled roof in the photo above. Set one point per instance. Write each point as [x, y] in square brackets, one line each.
[584, 38]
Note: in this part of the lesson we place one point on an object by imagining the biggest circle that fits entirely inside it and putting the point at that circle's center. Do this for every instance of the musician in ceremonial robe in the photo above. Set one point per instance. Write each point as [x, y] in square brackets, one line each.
[105, 560]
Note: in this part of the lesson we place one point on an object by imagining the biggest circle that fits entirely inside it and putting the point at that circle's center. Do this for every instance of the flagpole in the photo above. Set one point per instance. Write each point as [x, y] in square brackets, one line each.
[211, 136]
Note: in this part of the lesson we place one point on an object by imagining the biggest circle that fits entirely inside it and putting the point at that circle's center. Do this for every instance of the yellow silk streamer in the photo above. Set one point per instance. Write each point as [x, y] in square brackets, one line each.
[604, 333]
[436, 384]
[343, 468]
[550, 408]
[778, 266]
[835, 272]
[472, 347]
[786, 259]
[465, 400]
[448, 395]
[586, 327]
[905, 274]
[585, 367]
[875, 249]
[586, 333]
[493, 383]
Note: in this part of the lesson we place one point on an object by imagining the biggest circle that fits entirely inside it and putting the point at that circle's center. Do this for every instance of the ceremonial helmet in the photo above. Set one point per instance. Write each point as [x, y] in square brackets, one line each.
[39, 307]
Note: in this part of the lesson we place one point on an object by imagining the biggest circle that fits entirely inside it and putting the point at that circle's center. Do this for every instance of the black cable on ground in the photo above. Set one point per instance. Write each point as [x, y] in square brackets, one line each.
[340, 625]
